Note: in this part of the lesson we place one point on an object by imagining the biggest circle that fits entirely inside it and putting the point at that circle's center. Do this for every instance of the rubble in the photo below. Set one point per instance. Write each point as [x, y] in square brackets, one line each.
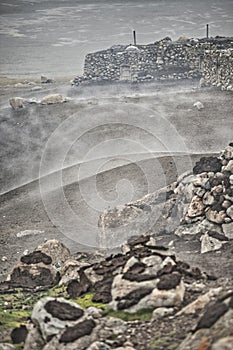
[214, 207]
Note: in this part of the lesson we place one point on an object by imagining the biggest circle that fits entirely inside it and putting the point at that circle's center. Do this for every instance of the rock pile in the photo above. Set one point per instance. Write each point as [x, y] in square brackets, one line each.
[145, 278]
[211, 207]
[40, 268]
[198, 206]
[162, 60]
[185, 307]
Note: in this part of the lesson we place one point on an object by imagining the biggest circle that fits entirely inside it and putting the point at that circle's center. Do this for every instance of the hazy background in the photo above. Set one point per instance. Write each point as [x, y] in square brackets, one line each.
[53, 37]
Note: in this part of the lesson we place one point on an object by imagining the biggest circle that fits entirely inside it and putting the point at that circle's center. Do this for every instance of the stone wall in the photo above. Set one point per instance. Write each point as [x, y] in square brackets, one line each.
[162, 60]
[217, 69]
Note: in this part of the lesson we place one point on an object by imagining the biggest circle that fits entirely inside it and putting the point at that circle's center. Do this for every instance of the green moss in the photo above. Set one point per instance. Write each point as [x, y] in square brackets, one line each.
[11, 318]
[19, 346]
[58, 291]
[143, 315]
[86, 301]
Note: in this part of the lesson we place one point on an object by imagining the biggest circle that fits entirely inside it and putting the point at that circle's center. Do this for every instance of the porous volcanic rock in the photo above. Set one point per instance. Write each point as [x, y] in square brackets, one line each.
[207, 164]
[34, 275]
[36, 257]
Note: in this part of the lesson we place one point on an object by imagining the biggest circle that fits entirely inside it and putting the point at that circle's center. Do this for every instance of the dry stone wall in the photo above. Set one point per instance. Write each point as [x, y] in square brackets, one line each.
[162, 60]
[217, 68]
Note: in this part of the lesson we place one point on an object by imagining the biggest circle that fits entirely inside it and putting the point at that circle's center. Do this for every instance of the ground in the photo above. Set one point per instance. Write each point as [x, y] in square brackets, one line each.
[25, 133]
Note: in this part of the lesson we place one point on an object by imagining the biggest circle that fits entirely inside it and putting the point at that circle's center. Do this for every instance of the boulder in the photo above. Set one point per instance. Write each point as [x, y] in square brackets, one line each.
[161, 312]
[227, 153]
[196, 207]
[229, 166]
[55, 315]
[45, 80]
[36, 257]
[17, 102]
[78, 286]
[53, 99]
[207, 164]
[131, 294]
[223, 344]
[228, 230]
[71, 271]
[208, 199]
[230, 212]
[19, 334]
[34, 275]
[209, 243]
[218, 325]
[200, 302]
[199, 105]
[215, 216]
[56, 250]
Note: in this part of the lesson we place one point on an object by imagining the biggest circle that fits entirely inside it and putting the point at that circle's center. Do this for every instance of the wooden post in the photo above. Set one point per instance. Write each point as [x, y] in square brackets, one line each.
[134, 38]
[207, 31]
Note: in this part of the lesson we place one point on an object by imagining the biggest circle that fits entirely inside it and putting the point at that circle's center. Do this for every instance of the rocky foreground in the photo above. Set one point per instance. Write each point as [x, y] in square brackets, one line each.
[145, 297]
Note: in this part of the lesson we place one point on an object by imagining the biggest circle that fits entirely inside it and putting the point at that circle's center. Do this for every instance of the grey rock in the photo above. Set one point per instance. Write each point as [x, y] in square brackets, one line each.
[221, 328]
[196, 207]
[54, 315]
[53, 99]
[223, 344]
[229, 166]
[31, 276]
[6, 346]
[99, 346]
[230, 212]
[34, 340]
[199, 105]
[228, 230]
[215, 216]
[17, 102]
[208, 199]
[209, 243]
[56, 249]
[162, 312]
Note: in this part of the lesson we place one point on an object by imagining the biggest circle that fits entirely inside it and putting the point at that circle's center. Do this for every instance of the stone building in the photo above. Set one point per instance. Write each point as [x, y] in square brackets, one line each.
[162, 60]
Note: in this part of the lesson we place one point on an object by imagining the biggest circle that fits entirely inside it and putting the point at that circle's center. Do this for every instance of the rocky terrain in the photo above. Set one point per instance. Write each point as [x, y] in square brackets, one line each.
[167, 289]
[159, 273]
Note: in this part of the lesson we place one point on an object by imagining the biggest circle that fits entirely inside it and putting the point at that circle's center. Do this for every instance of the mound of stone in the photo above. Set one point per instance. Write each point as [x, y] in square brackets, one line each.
[211, 207]
[197, 206]
[41, 267]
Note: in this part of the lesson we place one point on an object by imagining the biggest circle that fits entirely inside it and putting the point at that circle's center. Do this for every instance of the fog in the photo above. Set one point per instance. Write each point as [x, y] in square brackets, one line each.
[53, 37]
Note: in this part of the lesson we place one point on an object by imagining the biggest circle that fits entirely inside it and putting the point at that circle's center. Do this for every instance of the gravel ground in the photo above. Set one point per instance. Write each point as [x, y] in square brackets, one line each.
[24, 134]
